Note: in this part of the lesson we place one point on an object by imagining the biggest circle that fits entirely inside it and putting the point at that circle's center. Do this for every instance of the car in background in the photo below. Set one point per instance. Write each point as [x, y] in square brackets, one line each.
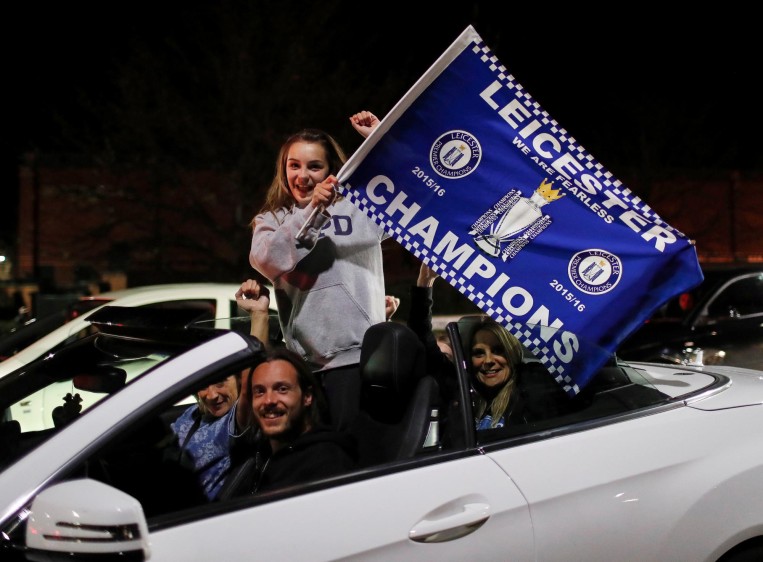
[31, 330]
[720, 323]
[617, 474]
[215, 301]
[25, 334]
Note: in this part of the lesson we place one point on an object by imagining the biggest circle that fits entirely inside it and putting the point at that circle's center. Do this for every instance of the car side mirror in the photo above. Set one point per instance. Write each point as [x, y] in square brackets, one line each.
[86, 520]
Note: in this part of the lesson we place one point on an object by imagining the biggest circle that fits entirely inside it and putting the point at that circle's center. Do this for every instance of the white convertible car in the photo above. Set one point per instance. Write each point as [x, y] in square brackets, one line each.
[648, 463]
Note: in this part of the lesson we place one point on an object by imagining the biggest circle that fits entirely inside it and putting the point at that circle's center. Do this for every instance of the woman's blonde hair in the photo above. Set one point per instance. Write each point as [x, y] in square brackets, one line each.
[278, 195]
[513, 353]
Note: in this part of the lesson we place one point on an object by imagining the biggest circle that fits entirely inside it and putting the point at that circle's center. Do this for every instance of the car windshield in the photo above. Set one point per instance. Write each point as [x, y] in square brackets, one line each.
[242, 325]
[91, 369]
[49, 393]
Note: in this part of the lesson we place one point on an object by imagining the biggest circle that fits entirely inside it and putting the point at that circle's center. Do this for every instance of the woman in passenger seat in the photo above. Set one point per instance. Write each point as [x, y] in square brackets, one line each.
[500, 389]
[496, 357]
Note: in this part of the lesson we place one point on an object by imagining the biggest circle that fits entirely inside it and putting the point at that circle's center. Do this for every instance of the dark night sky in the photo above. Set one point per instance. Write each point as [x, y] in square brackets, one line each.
[595, 72]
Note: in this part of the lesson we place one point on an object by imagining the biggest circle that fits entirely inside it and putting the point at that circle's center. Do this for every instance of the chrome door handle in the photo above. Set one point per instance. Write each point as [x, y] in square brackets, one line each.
[451, 526]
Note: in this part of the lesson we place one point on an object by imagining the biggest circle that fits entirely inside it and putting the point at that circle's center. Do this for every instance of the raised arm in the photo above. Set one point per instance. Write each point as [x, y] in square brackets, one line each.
[391, 304]
[364, 122]
[255, 299]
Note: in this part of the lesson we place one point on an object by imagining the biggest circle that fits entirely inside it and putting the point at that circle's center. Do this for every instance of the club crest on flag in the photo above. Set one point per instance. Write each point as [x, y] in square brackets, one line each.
[595, 271]
[455, 154]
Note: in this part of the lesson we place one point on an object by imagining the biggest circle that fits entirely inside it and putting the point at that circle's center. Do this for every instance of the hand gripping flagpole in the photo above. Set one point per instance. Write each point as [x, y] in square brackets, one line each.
[308, 231]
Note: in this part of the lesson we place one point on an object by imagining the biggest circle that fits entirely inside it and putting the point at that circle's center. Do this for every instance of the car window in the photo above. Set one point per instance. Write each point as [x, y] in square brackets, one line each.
[47, 395]
[206, 308]
[743, 297]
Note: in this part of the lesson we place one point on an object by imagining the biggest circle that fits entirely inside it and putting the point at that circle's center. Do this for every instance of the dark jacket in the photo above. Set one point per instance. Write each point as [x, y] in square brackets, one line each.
[316, 454]
[420, 321]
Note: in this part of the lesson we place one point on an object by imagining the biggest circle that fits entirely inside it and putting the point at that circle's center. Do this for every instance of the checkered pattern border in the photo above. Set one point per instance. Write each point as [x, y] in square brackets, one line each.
[585, 159]
[484, 302]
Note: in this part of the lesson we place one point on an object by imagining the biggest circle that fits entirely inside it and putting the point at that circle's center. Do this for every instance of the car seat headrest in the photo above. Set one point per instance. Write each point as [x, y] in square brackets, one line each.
[391, 359]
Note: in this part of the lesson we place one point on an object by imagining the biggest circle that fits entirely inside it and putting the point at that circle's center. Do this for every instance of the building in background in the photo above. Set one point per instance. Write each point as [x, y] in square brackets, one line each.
[85, 229]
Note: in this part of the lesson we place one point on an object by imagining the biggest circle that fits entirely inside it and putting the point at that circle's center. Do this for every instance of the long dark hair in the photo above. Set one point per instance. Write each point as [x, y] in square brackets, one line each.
[306, 379]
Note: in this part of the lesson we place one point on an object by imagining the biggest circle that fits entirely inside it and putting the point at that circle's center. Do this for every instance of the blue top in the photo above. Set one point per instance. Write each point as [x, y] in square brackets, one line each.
[487, 419]
[208, 447]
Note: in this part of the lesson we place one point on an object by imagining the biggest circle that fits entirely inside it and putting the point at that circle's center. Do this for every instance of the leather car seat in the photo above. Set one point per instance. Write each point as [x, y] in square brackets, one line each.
[397, 396]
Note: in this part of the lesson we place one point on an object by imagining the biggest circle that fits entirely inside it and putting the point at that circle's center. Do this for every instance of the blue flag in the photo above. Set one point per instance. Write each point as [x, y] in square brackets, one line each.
[470, 175]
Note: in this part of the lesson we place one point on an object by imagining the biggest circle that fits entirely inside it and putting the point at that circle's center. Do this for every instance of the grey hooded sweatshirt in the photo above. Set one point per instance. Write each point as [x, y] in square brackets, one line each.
[329, 288]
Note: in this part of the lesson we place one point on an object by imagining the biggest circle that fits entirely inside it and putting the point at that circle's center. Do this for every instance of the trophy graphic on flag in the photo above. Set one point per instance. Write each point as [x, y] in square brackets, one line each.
[517, 219]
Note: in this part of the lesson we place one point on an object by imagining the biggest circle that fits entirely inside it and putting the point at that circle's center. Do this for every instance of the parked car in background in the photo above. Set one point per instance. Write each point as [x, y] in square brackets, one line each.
[619, 473]
[720, 323]
[29, 332]
[216, 300]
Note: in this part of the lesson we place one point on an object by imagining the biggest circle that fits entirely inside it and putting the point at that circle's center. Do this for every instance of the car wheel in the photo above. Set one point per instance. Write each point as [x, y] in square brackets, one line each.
[749, 551]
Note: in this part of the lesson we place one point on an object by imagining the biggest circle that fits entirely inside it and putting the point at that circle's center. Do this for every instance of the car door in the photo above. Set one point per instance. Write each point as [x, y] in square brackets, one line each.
[462, 508]
[666, 486]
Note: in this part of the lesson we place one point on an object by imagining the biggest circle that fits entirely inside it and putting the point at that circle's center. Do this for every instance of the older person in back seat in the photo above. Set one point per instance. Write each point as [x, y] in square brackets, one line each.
[206, 430]
[202, 432]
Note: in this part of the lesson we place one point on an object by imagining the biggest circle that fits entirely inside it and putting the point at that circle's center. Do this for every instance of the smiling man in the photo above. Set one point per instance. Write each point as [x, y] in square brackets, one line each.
[287, 404]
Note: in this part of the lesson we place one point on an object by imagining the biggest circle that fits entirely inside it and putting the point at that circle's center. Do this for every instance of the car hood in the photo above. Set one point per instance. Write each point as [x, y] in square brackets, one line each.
[745, 389]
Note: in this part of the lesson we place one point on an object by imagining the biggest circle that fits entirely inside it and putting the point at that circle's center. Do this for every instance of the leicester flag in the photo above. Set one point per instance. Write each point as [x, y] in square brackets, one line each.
[469, 174]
